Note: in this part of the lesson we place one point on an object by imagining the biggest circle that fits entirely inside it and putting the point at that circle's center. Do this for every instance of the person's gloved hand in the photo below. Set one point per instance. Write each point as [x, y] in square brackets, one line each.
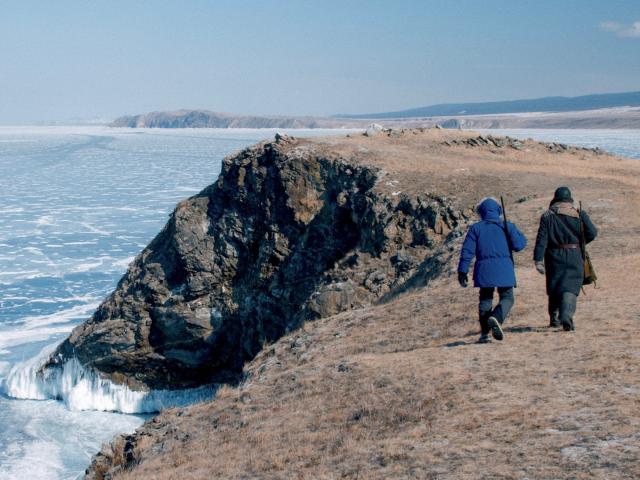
[463, 279]
[540, 267]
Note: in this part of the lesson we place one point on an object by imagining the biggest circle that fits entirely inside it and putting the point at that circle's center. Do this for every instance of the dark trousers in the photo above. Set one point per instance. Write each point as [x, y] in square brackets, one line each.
[562, 307]
[500, 312]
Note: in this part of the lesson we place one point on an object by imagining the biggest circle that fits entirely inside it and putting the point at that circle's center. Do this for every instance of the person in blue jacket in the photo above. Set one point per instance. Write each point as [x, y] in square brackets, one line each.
[487, 242]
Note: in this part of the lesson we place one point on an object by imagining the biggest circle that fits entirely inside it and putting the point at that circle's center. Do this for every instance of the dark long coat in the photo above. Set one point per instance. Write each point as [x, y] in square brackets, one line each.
[564, 267]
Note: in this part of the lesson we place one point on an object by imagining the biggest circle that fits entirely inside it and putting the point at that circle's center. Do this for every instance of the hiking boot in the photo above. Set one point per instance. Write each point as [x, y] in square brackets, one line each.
[496, 329]
[553, 321]
[567, 326]
[484, 338]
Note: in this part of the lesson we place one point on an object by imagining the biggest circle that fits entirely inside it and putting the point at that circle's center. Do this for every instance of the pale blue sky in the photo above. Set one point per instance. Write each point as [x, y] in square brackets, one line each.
[69, 59]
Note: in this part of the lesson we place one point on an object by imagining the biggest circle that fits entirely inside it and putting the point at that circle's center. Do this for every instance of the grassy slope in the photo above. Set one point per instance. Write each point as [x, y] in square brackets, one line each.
[401, 390]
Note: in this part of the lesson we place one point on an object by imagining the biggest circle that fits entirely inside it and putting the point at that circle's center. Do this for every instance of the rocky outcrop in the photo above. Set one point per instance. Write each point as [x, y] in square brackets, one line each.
[503, 142]
[286, 234]
[373, 130]
[490, 140]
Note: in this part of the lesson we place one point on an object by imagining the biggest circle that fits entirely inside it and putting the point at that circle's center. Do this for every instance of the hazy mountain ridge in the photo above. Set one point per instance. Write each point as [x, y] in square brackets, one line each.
[544, 104]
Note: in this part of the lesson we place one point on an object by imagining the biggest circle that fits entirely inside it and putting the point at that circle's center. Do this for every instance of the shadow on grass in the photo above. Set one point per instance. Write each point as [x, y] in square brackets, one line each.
[525, 329]
[459, 344]
[466, 344]
[513, 329]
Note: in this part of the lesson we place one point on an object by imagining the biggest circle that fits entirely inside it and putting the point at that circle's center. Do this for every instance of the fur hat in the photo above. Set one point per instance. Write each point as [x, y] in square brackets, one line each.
[562, 194]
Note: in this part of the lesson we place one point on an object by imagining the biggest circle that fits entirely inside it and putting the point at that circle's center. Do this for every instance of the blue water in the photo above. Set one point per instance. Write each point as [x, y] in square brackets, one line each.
[76, 205]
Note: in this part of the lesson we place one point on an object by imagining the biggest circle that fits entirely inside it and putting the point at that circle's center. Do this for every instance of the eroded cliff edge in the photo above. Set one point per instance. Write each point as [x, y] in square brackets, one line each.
[289, 232]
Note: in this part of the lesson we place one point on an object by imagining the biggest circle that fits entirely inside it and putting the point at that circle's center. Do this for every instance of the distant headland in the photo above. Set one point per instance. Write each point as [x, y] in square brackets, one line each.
[209, 119]
[616, 110]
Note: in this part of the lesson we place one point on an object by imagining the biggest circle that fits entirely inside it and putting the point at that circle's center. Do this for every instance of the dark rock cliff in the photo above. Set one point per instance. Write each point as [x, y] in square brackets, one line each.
[285, 235]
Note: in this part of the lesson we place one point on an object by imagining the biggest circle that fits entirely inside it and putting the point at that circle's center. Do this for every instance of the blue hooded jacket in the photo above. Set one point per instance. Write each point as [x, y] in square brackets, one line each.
[487, 242]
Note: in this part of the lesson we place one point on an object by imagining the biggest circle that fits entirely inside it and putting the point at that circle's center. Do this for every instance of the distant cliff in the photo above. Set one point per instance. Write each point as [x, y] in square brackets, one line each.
[208, 119]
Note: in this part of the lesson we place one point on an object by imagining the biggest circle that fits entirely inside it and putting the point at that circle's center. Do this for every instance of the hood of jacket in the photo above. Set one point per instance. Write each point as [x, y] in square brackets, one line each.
[489, 209]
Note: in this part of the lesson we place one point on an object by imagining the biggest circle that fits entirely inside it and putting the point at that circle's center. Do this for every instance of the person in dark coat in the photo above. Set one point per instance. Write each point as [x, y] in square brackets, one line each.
[491, 245]
[558, 255]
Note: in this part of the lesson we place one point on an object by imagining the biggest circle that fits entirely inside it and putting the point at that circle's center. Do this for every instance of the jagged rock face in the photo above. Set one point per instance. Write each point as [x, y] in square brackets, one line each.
[282, 237]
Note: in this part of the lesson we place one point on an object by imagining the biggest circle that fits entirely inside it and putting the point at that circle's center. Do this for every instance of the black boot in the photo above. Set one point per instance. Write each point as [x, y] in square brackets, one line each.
[553, 320]
[484, 330]
[484, 338]
[496, 328]
[567, 310]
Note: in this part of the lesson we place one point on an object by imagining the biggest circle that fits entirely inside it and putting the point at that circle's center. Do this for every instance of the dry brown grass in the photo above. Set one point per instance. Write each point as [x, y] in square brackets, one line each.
[401, 390]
